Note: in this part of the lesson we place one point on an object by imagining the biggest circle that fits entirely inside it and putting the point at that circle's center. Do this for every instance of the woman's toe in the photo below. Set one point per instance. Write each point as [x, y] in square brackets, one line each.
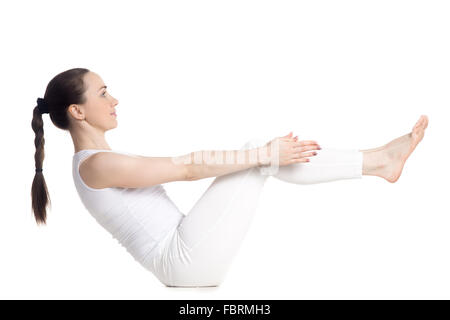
[425, 122]
[417, 125]
[421, 124]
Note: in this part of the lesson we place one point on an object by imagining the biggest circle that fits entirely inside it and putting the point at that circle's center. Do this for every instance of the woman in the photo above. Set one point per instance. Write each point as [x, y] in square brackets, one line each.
[124, 194]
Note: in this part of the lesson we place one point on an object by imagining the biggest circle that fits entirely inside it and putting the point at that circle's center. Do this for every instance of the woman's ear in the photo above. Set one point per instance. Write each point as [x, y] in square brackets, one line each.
[76, 112]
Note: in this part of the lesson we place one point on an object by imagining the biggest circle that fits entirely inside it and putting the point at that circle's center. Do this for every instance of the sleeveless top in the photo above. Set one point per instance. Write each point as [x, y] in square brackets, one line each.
[138, 218]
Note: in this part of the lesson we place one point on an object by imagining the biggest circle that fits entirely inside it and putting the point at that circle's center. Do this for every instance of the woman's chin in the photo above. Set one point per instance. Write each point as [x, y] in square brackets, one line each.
[113, 127]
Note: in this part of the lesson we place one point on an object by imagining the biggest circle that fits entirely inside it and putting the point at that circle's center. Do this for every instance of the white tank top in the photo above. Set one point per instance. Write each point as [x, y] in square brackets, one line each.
[138, 218]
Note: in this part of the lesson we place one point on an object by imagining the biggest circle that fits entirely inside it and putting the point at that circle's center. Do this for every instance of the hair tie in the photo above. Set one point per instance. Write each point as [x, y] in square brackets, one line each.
[39, 170]
[42, 105]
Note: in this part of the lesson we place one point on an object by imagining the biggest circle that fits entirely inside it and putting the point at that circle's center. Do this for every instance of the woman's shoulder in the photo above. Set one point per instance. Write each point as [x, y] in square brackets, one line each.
[95, 166]
[127, 170]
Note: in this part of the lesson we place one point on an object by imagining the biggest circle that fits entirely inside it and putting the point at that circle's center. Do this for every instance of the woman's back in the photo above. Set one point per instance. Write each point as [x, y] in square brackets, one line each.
[137, 217]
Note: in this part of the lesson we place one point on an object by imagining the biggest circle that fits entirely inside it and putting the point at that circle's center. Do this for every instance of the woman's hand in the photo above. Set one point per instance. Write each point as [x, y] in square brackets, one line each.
[290, 150]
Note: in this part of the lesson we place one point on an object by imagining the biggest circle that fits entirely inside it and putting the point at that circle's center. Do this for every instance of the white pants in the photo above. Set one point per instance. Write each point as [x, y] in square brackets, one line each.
[200, 250]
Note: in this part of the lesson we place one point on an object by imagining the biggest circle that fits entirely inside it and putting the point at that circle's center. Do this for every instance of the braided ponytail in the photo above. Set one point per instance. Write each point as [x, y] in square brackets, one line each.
[63, 90]
[39, 193]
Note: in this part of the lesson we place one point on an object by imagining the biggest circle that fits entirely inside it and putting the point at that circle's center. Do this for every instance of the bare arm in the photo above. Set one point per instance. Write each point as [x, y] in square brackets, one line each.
[109, 169]
[214, 163]
[279, 152]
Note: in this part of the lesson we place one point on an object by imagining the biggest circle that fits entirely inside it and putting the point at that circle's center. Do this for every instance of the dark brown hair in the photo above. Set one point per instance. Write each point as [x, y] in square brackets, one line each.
[63, 90]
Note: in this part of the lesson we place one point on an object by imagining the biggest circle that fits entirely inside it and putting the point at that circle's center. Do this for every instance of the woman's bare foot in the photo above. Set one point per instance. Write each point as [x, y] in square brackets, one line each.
[392, 156]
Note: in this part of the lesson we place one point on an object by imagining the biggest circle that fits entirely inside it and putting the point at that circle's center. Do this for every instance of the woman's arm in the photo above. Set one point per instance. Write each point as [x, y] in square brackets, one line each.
[110, 169]
[214, 163]
[278, 152]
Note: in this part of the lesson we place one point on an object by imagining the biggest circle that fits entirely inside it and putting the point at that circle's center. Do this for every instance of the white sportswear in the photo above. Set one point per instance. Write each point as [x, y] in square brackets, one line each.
[137, 217]
[197, 249]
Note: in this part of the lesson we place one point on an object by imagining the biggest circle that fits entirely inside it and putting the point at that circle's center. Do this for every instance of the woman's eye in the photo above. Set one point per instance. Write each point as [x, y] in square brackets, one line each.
[103, 93]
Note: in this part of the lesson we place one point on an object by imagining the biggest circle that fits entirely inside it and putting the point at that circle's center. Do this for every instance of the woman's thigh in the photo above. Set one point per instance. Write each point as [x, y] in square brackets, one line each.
[201, 249]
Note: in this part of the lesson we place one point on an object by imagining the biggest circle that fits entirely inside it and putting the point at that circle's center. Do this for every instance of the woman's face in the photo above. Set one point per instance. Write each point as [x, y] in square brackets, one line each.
[99, 109]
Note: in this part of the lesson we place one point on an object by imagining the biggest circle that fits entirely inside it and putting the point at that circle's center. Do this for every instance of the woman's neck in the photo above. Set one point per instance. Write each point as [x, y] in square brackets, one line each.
[89, 140]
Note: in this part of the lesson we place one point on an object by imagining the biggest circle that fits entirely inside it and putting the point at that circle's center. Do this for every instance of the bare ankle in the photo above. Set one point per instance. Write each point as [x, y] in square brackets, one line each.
[374, 161]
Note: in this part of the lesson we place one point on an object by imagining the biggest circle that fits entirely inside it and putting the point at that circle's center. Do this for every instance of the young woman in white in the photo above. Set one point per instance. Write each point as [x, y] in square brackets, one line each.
[123, 191]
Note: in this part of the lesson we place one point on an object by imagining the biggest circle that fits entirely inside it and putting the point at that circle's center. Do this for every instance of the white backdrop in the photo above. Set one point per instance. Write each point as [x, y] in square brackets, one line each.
[198, 75]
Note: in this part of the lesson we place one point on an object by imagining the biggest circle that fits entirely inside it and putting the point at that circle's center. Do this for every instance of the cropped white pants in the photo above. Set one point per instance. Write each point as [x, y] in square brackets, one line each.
[200, 250]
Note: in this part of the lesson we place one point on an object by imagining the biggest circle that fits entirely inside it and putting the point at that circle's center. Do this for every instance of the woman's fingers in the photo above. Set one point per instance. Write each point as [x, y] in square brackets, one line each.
[309, 154]
[307, 142]
[297, 160]
[294, 151]
[299, 155]
[303, 143]
[307, 148]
